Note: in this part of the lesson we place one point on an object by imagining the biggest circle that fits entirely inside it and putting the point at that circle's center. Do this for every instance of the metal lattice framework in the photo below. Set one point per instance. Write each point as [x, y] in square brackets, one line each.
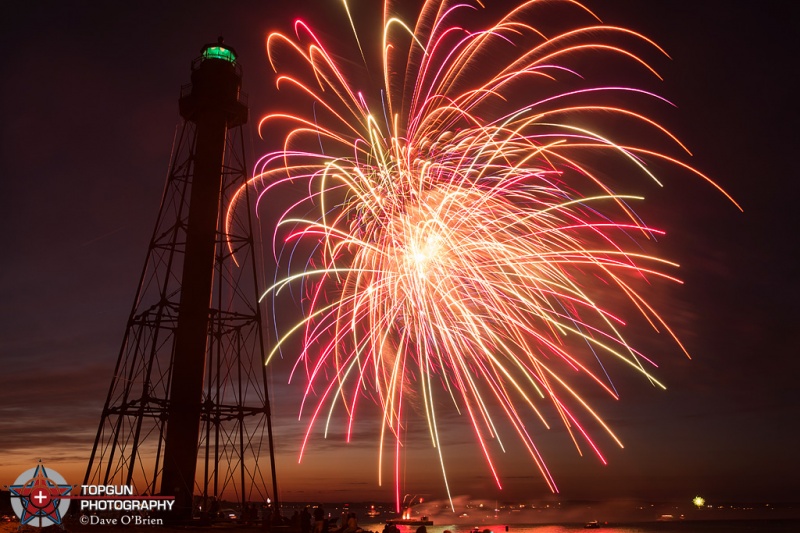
[235, 424]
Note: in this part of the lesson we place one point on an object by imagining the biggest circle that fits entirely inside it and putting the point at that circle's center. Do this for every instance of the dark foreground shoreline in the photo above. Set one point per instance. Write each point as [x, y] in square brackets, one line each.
[744, 525]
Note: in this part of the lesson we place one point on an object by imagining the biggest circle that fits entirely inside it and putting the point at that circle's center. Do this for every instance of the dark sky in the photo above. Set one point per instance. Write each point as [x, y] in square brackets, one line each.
[89, 107]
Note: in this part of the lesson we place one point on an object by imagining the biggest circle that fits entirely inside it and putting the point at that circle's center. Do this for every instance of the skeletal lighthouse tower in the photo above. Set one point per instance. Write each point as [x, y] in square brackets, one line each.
[188, 413]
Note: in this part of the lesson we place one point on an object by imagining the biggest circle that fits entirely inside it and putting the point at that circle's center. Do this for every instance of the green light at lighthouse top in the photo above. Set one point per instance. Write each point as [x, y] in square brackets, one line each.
[219, 52]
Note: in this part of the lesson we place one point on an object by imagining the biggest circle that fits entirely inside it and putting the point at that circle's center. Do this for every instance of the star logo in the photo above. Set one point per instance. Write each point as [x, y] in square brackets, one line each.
[40, 498]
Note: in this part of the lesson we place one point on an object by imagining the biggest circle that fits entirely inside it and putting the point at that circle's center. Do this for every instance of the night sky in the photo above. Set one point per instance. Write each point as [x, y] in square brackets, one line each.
[89, 108]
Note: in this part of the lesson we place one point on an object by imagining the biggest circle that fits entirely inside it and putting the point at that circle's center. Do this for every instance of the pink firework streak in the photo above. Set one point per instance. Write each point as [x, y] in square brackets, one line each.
[461, 231]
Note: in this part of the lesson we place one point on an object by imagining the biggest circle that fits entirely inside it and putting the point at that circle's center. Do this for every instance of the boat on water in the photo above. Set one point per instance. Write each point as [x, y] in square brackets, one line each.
[406, 519]
[421, 521]
[594, 524]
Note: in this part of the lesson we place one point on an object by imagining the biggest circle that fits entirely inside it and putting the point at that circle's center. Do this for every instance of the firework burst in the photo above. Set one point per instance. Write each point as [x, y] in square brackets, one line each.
[463, 227]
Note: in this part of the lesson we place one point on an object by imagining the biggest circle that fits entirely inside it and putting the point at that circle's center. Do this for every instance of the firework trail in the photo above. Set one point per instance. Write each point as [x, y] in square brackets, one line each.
[462, 227]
